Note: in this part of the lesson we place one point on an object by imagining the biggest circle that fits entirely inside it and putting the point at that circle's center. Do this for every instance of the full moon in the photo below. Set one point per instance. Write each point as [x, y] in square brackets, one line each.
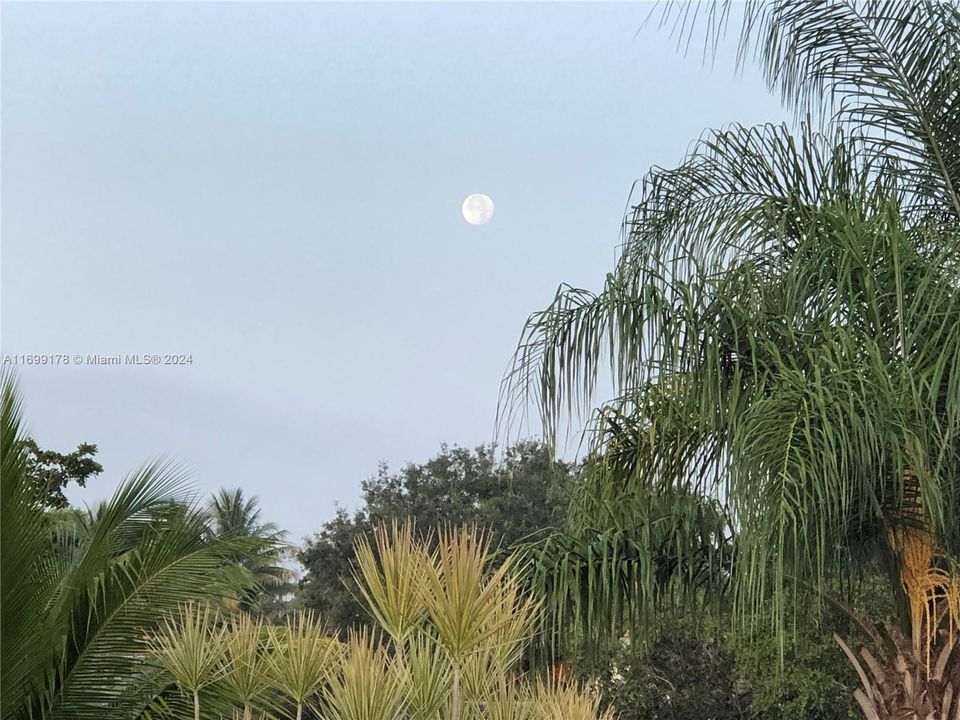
[477, 209]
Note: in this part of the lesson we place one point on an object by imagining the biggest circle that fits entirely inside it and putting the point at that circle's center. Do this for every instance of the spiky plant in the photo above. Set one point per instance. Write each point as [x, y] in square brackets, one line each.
[301, 658]
[391, 574]
[246, 674]
[427, 677]
[367, 684]
[192, 648]
[783, 332]
[460, 658]
[559, 699]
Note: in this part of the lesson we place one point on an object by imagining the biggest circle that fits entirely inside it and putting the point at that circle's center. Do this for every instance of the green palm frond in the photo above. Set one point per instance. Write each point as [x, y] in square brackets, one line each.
[886, 70]
[626, 558]
[28, 571]
[172, 563]
[233, 516]
[739, 189]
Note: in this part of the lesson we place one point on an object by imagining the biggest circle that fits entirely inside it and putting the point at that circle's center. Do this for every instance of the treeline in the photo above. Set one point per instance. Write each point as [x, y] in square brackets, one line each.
[687, 669]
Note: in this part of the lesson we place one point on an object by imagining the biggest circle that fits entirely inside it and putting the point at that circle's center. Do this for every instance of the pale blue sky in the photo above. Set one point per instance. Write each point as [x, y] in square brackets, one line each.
[275, 189]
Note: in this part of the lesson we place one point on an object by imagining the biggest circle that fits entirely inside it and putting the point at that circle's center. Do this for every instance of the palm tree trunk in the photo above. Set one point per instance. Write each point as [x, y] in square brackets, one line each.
[299, 711]
[196, 705]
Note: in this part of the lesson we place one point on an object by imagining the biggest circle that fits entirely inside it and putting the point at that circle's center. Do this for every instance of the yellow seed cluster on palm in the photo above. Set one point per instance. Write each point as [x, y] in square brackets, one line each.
[933, 593]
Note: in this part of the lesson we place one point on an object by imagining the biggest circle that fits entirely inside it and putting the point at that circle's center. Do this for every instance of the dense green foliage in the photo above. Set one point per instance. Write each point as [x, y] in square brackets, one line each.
[50, 471]
[522, 495]
[681, 674]
[692, 665]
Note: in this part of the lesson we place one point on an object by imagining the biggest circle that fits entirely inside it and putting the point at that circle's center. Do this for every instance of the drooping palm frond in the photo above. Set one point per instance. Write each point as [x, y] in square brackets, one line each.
[729, 199]
[639, 556]
[885, 70]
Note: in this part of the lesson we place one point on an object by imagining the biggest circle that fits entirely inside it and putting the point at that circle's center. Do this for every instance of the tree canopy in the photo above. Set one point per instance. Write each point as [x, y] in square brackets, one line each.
[49, 471]
[512, 500]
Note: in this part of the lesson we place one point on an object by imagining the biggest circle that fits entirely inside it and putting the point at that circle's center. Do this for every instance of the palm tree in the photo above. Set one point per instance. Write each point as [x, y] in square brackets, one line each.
[77, 599]
[783, 330]
[234, 516]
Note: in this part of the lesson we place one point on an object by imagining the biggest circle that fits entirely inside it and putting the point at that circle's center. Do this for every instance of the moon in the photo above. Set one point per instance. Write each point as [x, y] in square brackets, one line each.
[477, 209]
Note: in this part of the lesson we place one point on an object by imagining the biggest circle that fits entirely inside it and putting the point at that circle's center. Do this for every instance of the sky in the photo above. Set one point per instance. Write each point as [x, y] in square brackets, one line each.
[274, 190]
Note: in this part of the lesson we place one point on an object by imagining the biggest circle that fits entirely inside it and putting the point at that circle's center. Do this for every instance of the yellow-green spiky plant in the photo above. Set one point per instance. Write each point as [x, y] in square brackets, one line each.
[367, 684]
[391, 571]
[246, 671]
[191, 648]
[458, 639]
[301, 659]
[427, 677]
[455, 628]
[559, 699]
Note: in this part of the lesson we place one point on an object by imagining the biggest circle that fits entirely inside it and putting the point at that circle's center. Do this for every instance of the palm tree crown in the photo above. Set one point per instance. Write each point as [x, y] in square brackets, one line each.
[783, 331]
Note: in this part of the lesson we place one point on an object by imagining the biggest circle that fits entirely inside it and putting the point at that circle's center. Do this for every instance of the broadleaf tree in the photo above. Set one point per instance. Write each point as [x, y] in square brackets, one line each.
[512, 498]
